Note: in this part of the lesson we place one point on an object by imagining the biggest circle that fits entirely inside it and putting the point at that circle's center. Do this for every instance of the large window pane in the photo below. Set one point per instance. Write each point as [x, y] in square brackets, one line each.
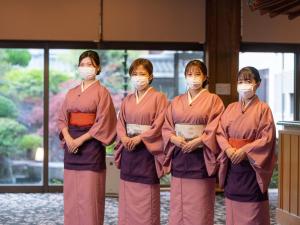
[21, 116]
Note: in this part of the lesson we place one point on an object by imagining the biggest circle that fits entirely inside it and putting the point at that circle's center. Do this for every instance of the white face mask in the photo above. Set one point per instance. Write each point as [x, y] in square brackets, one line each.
[139, 82]
[194, 83]
[246, 91]
[87, 73]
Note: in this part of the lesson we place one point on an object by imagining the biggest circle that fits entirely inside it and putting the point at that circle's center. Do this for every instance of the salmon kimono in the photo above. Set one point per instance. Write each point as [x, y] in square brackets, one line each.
[251, 129]
[84, 174]
[139, 198]
[193, 174]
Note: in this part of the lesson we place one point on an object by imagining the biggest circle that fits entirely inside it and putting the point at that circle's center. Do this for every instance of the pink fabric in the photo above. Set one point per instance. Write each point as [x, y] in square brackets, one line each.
[149, 111]
[206, 110]
[192, 201]
[139, 204]
[247, 213]
[84, 197]
[95, 99]
[256, 125]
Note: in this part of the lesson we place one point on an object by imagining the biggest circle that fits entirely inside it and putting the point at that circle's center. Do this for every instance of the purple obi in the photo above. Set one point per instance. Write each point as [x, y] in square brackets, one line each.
[138, 166]
[90, 156]
[189, 165]
[241, 184]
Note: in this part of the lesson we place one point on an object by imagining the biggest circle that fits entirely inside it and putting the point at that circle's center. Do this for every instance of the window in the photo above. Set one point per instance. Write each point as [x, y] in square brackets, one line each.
[21, 116]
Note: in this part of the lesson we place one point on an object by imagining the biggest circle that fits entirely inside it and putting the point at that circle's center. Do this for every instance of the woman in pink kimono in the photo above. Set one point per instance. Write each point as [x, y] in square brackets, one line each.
[246, 135]
[139, 153]
[191, 149]
[86, 123]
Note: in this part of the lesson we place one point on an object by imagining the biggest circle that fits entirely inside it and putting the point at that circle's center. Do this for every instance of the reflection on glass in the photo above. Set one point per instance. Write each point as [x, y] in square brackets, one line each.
[21, 116]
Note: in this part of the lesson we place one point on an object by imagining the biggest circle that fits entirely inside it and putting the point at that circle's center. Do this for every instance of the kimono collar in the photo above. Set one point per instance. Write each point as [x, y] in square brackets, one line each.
[83, 88]
[139, 99]
[190, 99]
[251, 102]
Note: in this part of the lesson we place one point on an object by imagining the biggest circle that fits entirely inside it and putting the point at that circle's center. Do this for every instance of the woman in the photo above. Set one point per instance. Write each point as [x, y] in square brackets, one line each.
[246, 135]
[139, 154]
[191, 148]
[87, 123]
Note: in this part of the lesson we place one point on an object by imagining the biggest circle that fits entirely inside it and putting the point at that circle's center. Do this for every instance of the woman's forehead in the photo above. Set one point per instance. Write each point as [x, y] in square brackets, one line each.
[140, 68]
[246, 76]
[194, 69]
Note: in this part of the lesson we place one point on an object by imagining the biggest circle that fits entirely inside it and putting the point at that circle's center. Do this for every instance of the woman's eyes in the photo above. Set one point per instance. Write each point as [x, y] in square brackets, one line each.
[245, 81]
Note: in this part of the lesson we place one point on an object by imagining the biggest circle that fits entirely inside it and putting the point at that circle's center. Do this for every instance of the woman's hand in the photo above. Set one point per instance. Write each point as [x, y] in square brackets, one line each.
[126, 141]
[192, 145]
[238, 156]
[229, 152]
[70, 144]
[134, 142]
[178, 141]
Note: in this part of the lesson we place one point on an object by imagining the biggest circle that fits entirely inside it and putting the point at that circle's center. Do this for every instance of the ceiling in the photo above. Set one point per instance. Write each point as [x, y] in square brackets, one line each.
[291, 8]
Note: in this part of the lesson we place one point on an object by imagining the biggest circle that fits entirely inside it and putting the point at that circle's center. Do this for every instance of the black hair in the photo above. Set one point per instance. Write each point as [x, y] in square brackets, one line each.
[250, 72]
[94, 58]
[201, 66]
[146, 63]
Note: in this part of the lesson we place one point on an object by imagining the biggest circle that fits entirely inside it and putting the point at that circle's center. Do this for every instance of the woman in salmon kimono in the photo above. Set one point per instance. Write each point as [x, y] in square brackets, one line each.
[191, 148]
[139, 153]
[86, 122]
[246, 135]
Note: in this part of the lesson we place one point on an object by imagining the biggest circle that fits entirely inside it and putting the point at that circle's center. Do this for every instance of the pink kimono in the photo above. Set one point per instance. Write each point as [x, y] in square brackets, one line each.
[84, 174]
[246, 184]
[193, 174]
[139, 198]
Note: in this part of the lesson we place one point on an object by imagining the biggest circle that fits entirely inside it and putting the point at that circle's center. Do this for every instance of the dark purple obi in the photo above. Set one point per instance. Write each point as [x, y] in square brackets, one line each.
[189, 165]
[138, 166]
[91, 154]
[241, 184]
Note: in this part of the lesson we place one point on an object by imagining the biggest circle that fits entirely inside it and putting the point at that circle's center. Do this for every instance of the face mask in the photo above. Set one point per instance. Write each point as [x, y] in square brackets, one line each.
[245, 91]
[194, 83]
[86, 72]
[139, 82]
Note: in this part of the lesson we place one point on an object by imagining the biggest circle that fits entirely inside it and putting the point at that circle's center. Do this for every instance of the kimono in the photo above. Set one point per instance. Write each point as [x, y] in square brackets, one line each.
[90, 110]
[246, 184]
[193, 174]
[139, 193]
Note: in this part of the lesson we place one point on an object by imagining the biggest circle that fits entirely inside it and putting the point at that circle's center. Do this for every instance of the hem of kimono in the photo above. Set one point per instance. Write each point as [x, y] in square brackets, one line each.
[254, 212]
[125, 216]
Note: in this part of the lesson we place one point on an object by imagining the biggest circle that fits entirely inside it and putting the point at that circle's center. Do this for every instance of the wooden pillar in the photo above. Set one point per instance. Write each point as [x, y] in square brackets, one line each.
[223, 35]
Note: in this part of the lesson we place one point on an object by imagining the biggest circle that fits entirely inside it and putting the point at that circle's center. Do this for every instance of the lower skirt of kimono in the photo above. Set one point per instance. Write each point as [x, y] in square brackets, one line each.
[192, 201]
[139, 204]
[84, 197]
[247, 213]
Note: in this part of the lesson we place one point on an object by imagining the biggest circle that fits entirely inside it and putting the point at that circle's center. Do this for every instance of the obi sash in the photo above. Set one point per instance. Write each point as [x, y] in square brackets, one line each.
[136, 129]
[189, 131]
[82, 119]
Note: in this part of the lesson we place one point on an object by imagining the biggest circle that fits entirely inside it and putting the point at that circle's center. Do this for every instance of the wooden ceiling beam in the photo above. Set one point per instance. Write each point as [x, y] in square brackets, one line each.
[285, 8]
[293, 15]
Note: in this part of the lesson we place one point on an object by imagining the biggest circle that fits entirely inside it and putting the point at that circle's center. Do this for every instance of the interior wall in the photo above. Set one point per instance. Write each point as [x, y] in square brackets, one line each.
[130, 20]
[156, 20]
[63, 20]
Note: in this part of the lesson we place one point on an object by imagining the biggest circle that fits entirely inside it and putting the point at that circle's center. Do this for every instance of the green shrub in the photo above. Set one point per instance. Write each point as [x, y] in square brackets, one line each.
[11, 132]
[7, 108]
[30, 141]
[19, 57]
